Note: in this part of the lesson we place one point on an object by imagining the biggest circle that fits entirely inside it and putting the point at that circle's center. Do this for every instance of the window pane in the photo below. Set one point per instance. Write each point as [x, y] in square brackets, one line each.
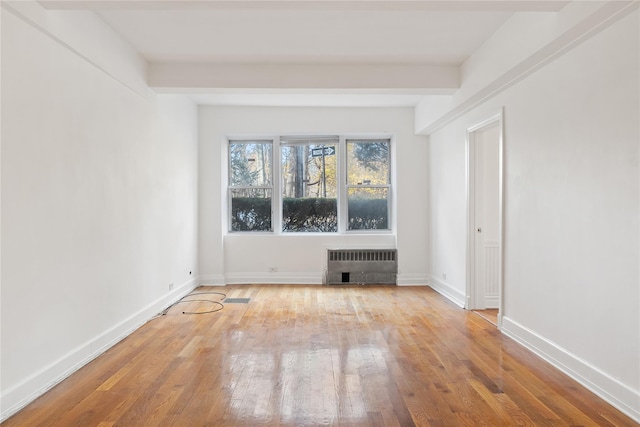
[251, 209]
[368, 209]
[309, 188]
[309, 215]
[250, 163]
[368, 162]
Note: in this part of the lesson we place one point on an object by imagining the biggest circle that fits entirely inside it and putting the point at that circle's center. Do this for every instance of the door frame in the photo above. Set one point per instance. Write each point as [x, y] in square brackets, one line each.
[470, 156]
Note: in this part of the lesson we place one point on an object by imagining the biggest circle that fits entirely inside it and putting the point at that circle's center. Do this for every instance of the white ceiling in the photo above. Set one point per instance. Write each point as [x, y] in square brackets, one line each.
[420, 32]
[259, 35]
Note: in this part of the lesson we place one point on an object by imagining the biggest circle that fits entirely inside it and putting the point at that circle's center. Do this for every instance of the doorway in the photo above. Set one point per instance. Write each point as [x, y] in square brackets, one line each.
[484, 213]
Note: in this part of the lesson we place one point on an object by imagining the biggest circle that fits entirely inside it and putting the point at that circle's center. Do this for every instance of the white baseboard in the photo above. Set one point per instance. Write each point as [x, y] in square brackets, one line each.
[447, 291]
[619, 395]
[212, 280]
[274, 278]
[305, 279]
[20, 395]
[413, 279]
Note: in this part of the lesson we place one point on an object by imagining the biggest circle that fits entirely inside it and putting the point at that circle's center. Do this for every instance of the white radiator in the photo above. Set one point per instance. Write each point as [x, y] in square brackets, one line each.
[362, 266]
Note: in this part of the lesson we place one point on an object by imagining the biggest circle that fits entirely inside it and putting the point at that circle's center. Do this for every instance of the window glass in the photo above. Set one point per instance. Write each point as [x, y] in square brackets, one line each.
[309, 187]
[250, 189]
[368, 184]
[324, 184]
[368, 209]
[250, 163]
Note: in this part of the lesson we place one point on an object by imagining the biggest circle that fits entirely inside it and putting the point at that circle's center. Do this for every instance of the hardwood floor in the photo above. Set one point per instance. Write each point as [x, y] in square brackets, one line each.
[489, 314]
[319, 355]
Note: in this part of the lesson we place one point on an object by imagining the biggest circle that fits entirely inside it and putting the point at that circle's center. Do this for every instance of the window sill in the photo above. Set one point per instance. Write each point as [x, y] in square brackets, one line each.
[359, 233]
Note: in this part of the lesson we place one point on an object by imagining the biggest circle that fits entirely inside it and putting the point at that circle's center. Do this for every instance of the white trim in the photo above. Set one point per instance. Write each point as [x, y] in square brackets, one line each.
[492, 301]
[447, 291]
[342, 191]
[306, 279]
[471, 297]
[409, 279]
[276, 196]
[619, 395]
[297, 278]
[20, 395]
[211, 280]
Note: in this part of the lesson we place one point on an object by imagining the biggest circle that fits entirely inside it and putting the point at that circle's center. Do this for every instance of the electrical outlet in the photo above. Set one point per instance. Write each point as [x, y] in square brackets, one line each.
[170, 286]
[273, 269]
[444, 276]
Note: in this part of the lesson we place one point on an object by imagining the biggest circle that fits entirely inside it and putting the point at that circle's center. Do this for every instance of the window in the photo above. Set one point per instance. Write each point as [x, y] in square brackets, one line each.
[309, 184]
[250, 185]
[368, 184]
[322, 184]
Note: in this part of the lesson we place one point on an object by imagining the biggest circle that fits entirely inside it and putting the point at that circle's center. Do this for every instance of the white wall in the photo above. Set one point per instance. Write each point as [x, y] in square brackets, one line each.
[99, 186]
[525, 43]
[91, 38]
[571, 274]
[238, 258]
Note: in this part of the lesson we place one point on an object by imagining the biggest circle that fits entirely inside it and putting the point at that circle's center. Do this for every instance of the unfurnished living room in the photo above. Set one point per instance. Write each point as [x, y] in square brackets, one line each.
[320, 212]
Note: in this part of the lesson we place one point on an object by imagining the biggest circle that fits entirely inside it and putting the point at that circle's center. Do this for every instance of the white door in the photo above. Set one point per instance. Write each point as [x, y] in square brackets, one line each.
[486, 215]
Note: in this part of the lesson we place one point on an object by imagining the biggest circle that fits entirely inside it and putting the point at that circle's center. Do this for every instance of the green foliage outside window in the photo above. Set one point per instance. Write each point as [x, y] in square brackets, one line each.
[368, 214]
[372, 155]
[307, 214]
[251, 214]
[310, 215]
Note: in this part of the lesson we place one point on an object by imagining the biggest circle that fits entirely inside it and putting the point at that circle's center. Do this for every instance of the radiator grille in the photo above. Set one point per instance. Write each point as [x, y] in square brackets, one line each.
[365, 266]
[362, 255]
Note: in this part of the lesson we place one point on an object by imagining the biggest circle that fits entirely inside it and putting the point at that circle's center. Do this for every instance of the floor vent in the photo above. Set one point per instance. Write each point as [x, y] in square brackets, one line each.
[236, 300]
[362, 266]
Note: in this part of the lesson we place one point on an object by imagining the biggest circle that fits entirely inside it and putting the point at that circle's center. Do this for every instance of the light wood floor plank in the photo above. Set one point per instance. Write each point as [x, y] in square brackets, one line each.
[319, 355]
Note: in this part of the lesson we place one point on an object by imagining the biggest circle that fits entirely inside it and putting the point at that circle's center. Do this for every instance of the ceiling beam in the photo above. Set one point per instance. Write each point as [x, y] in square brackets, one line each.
[425, 78]
[435, 5]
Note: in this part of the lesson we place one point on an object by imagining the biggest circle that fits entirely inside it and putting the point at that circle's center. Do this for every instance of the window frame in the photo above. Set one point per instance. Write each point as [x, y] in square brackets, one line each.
[301, 140]
[387, 186]
[230, 187]
[280, 140]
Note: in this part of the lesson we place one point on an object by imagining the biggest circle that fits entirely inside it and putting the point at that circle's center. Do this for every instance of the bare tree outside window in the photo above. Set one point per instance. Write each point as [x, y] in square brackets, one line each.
[309, 188]
[309, 191]
[368, 184]
[251, 186]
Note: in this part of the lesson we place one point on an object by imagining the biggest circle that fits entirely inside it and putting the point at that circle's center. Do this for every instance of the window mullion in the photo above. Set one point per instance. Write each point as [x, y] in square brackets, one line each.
[368, 186]
[342, 185]
[250, 187]
[276, 199]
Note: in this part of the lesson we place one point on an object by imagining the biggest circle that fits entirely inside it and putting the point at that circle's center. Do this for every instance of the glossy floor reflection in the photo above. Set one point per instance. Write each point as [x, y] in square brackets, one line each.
[313, 355]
